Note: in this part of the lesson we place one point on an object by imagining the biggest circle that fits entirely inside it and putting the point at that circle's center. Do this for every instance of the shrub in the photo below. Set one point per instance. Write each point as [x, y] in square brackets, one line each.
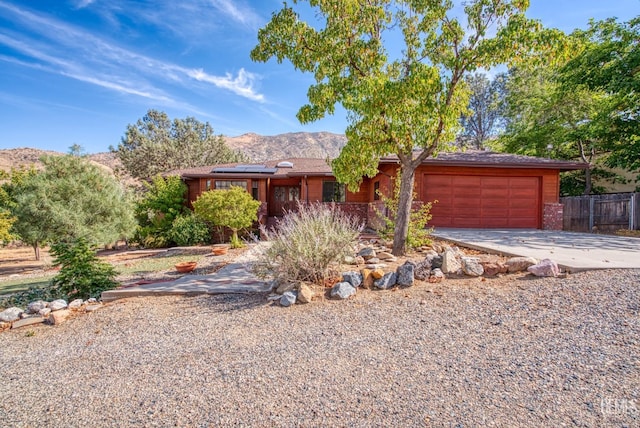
[233, 208]
[305, 243]
[187, 230]
[81, 275]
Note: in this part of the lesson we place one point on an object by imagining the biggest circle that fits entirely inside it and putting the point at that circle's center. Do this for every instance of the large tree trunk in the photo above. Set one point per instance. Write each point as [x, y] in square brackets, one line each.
[405, 200]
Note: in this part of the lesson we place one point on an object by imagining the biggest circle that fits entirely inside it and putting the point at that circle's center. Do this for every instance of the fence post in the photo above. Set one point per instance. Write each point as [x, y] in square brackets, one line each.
[592, 203]
[632, 211]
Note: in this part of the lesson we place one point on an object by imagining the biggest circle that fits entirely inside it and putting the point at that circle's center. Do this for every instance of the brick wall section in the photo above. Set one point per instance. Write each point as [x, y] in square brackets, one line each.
[552, 216]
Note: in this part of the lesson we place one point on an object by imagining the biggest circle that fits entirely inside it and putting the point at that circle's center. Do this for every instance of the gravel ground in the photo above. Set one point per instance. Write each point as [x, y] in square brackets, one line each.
[508, 352]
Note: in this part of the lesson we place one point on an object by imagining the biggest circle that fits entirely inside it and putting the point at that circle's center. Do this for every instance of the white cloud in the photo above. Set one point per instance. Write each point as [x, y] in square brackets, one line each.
[60, 45]
[81, 4]
[237, 11]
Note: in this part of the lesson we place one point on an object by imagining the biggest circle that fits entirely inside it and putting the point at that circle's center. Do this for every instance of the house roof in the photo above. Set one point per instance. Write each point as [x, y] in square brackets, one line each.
[296, 167]
[482, 158]
[273, 169]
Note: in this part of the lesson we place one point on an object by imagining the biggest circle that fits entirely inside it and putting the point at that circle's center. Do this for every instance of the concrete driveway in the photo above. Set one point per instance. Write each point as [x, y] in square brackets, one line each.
[571, 250]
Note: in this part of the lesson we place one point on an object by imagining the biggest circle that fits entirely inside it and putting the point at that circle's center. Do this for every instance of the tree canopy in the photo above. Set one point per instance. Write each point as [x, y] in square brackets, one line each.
[398, 99]
[156, 144]
[484, 119]
[71, 198]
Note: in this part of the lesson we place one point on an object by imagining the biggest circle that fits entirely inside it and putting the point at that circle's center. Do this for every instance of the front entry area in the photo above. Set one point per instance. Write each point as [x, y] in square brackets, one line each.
[283, 198]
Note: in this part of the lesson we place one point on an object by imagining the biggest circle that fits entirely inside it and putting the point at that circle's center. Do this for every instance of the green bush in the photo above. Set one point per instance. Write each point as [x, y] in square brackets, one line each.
[81, 275]
[187, 230]
[305, 243]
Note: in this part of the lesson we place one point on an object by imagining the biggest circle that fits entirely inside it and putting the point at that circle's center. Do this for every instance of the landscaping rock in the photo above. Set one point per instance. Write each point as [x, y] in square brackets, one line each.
[59, 316]
[383, 255]
[405, 275]
[377, 273]
[422, 270]
[35, 307]
[367, 278]
[76, 304]
[373, 260]
[520, 264]
[11, 314]
[92, 300]
[492, 269]
[349, 260]
[27, 321]
[288, 298]
[436, 275]
[434, 259]
[471, 266]
[93, 308]
[305, 294]
[353, 278]
[546, 267]
[58, 305]
[367, 253]
[342, 290]
[450, 262]
[359, 260]
[44, 312]
[387, 281]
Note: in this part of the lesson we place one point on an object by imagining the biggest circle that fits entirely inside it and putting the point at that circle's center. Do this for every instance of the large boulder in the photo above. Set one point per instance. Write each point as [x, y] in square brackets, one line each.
[434, 259]
[422, 270]
[11, 314]
[387, 281]
[353, 278]
[471, 266]
[59, 316]
[546, 267]
[405, 275]
[343, 290]
[367, 278]
[494, 268]
[520, 264]
[436, 275]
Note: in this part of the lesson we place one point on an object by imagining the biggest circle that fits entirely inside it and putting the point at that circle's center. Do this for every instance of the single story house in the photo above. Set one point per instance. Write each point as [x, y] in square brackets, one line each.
[475, 188]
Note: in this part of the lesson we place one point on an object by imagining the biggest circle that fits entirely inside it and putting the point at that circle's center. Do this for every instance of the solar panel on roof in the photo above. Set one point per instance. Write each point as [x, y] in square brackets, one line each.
[250, 169]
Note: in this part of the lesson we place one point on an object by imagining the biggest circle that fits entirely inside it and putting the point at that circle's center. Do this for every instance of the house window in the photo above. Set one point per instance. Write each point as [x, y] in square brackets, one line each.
[376, 191]
[332, 191]
[254, 190]
[209, 185]
[226, 184]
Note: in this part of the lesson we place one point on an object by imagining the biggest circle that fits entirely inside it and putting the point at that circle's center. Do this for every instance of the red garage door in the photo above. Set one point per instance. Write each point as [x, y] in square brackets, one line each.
[487, 202]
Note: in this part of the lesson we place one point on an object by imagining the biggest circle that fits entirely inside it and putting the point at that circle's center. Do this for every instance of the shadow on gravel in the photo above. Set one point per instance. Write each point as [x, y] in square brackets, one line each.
[225, 302]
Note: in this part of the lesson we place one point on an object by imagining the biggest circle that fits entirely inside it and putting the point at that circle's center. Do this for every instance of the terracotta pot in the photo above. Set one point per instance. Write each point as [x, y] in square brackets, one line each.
[185, 267]
[219, 251]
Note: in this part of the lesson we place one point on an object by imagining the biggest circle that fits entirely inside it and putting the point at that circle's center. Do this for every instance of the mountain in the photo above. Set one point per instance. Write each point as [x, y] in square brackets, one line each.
[258, 148]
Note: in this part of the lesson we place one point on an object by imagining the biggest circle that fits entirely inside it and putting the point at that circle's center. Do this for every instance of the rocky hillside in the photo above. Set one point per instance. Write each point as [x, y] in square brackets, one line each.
[261, 148]
[257, 147]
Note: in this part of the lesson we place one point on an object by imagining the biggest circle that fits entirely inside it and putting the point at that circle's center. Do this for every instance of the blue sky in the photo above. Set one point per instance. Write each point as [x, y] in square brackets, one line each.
[78, 71]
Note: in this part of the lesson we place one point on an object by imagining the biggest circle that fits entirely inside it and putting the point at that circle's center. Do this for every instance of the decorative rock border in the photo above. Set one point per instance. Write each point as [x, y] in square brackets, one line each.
[41, 312]
[438, 262]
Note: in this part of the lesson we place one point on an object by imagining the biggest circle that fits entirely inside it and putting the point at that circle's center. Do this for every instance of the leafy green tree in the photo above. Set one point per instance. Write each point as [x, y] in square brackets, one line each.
[164, 200]
[398, 99]
[233, 208]
[71, 198]
[189, 229]
[485, 115]
[155, 145]
[609, 63]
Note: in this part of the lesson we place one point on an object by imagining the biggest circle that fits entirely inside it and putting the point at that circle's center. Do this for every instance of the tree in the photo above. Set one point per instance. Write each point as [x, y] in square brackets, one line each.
[155, 145]
[72, 198]
[233, 208]
[610, 63]
[164, 201]
[398, 100]
[484, 118]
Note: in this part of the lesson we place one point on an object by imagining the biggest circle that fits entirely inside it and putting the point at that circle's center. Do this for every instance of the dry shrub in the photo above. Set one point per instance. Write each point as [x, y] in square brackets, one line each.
[306, 242]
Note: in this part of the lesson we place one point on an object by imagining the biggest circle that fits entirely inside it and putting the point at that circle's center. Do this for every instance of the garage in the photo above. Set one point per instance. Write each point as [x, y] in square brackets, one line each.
[483, 201]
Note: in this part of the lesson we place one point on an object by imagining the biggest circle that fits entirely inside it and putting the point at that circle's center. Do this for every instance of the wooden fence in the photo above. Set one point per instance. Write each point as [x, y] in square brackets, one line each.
[601, 213]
